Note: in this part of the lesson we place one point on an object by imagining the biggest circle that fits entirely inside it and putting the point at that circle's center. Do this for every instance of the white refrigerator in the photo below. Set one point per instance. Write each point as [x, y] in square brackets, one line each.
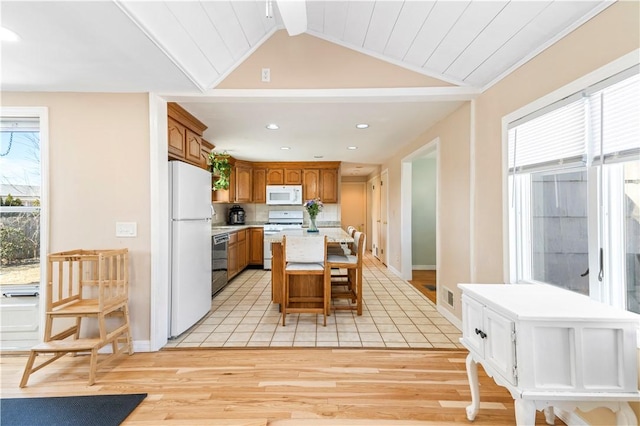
[190, 267]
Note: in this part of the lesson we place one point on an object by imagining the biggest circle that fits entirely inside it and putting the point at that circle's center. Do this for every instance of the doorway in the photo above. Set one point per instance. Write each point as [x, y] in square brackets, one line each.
[353, 205]
[23, 246]
[420, 239]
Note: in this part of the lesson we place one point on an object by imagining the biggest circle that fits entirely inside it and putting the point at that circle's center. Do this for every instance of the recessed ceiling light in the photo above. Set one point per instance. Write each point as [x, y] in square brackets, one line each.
[8, 35]
[362, 126]
[352, 147]
[284, 148]
[272, 126]
[318, 156]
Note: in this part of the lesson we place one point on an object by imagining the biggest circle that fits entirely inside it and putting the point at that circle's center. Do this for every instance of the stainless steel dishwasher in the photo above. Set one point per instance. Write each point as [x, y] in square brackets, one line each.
[219, 268]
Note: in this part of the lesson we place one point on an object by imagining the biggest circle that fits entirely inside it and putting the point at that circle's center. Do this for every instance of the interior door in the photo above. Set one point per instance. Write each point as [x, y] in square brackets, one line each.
[383, 216]
[375, 216]
[353, 205]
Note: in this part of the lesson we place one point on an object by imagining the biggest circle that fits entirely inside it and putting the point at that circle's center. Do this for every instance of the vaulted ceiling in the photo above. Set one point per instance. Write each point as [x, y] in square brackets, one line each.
[189, 47]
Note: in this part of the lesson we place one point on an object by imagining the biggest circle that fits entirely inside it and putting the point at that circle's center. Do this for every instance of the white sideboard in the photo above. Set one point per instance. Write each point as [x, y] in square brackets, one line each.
[550, 347]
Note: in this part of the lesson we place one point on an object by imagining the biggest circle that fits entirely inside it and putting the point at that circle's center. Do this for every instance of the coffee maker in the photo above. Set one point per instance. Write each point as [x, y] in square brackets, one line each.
[236, 215]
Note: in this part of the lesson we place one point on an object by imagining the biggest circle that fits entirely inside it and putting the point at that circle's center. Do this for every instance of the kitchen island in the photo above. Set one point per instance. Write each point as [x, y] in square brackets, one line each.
[300, 285]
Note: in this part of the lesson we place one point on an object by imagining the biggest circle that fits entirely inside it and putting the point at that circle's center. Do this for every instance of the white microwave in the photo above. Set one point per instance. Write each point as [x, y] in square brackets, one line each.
[284, 194]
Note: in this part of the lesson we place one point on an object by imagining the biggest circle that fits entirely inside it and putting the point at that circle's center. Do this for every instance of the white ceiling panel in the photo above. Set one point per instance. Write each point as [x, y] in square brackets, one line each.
[250, 20]
[382, 24]
[185, 47]
[195, 21]
[315, 16]
[358, 18]
[163, 27]
[510, 20]
[544, 27]
[412, 17]
[71, 46]
[224, 20]
[335, 18]
[472, 22]
[443, 16]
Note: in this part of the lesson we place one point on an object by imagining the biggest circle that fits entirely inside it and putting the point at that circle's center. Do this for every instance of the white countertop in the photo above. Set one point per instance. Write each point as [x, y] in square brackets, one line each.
[335, 235]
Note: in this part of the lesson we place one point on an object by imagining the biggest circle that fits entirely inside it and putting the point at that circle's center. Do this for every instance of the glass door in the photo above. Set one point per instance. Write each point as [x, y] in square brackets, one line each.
[20, 232]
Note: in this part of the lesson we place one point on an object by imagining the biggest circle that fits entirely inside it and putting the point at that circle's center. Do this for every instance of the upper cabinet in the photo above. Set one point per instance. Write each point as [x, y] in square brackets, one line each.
[244, 182]
[185, 137]
[259, 185]
[292, 176]
[320, 183]
[329, 185]
[275, 176]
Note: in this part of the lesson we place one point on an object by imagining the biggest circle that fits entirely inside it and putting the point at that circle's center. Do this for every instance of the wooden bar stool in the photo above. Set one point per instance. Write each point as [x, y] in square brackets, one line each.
[305, 256]
[351, 287]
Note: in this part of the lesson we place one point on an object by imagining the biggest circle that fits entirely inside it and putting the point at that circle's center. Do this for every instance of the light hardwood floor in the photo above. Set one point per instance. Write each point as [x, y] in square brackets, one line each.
[279, 387]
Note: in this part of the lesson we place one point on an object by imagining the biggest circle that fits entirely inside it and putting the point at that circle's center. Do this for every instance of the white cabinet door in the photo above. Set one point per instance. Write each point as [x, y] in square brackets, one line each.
[500, 348]
[472, 321]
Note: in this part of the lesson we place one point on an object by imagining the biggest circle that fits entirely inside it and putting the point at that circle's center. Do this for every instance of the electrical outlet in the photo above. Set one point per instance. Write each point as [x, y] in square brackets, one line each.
[266, 75]
[126, 229]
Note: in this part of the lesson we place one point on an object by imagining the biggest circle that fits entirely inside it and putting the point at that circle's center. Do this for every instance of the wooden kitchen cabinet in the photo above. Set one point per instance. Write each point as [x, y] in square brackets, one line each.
[177, 135]
[205, 149]
[329, 185]
[225, 195]
[193, 148]
[242, 250]
[232, 255]
[260, 186]
[243, 183]
[184, 133]
[293, 176]
[310, 184]
[320, 183]
[275, 176]
[256, 246]
[550, 347]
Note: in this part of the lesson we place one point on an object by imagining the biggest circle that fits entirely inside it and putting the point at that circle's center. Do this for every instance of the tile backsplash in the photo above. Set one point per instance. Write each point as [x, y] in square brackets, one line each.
[259, 213]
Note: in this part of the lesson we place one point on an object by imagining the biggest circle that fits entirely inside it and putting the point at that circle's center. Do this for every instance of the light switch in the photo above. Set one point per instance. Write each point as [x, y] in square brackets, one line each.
[126, 229]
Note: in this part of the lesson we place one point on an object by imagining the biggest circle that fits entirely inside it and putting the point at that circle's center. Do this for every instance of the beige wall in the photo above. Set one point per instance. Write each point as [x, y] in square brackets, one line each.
[99, 174]
[609, 35]
[453, 200]
[307, 62]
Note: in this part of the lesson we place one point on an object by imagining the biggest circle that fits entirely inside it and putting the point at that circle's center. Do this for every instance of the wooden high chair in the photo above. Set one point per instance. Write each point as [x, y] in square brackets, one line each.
[306, 256]
[85, 284]
[351, 287]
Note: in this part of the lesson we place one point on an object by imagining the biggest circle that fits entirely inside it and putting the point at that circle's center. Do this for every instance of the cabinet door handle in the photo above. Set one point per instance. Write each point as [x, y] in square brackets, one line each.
[481, 333]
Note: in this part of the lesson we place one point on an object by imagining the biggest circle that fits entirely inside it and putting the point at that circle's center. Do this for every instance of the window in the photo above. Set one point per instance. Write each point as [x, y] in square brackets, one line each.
[574, 193]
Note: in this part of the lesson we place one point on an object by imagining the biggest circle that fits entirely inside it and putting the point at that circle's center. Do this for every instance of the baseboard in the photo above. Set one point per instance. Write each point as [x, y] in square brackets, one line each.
[423, 267]
[452, 318]
[395, 271]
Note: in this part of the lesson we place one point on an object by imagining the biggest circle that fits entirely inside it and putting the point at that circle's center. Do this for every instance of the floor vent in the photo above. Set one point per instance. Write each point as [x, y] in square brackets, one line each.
[447, 296]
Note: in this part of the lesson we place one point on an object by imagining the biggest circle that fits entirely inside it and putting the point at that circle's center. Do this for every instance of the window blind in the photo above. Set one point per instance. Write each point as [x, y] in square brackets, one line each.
[615, 121]
[599, 124]
[557, 137]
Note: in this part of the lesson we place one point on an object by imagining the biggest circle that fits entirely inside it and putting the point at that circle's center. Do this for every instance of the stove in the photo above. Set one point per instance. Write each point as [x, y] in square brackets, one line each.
[283, 219]
[279, 220]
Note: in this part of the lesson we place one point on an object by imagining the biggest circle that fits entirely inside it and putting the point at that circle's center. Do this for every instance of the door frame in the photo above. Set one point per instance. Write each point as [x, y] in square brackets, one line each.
[406, 264]
[42, 113]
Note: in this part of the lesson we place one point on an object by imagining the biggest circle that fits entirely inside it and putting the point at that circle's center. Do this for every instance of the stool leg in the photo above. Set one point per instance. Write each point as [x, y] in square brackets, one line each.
[285, 298]
[93, 366]
[27, 369]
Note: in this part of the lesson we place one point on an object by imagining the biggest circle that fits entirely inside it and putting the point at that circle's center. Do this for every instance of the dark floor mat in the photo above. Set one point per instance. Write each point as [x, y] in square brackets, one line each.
[94, 410]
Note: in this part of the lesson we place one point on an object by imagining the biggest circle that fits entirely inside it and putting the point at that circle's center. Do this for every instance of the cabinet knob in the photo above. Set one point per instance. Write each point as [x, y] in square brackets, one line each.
[481, 333]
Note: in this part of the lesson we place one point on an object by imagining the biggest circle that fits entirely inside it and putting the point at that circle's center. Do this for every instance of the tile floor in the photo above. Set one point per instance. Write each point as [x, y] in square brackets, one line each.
[395, 315]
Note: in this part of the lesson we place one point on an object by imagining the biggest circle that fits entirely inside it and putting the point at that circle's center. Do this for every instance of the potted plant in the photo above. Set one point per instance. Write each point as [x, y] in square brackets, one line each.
[220, 169]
